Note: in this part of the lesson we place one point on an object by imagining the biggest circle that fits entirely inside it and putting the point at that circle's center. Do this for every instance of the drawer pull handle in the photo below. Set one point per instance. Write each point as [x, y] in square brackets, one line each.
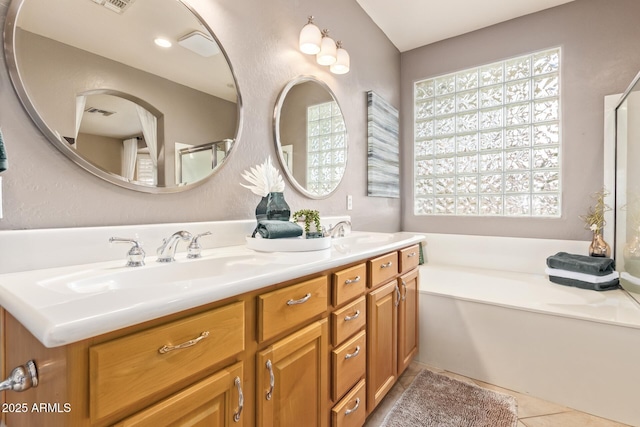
[167, 348]
[299, 301]
[272, 380]
[236, 416]
[386, 265]
[354, 354]
[350, 281]
[353, 316]
[411, 255]
[354, 409]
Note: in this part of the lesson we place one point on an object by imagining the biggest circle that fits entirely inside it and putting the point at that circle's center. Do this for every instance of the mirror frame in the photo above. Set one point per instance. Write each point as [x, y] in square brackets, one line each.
[19, 87]
[276, 134]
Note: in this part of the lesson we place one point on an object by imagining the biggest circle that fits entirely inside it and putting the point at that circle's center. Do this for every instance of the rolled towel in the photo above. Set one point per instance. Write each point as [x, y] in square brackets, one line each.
[598, 266]
[606, 286]
[590, 278]
[273, 229]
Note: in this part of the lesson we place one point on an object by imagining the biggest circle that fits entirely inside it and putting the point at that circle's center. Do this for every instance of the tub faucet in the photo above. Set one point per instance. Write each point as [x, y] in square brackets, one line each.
[339, 230]
[167, 252]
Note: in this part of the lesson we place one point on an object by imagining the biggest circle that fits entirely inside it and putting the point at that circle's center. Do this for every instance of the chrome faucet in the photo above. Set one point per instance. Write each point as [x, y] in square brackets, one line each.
[135, 256]
[167, 252]
[195, 248]
[339, 230]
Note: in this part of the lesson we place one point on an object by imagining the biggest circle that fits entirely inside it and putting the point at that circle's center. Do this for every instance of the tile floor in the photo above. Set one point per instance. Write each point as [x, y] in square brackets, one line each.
[532, 412]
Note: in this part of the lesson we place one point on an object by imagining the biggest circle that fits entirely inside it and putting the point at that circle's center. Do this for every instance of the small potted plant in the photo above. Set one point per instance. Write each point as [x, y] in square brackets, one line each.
[309, 216]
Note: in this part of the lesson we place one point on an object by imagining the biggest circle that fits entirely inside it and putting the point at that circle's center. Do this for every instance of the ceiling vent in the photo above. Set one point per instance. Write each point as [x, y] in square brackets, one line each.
[117, 6]
[93, 110]
[199, 43]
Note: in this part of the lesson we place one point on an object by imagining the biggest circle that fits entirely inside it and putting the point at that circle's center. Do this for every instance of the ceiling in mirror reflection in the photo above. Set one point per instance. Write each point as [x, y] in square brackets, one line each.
[128, 38]
[111, 62]
[311, 136]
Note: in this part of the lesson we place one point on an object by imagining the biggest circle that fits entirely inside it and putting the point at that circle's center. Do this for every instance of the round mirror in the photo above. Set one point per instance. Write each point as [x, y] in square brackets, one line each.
[139, 93]
[310, 136]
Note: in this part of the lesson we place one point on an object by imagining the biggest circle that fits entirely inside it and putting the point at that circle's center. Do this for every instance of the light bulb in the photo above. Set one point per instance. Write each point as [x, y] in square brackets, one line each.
[310, 38]
[327, 54]
[341, 66]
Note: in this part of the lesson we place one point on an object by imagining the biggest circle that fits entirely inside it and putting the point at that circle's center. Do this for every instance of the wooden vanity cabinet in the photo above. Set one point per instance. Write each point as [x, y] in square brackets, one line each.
[407, 319]
[319, 351]
[216, 401]
[292, 380]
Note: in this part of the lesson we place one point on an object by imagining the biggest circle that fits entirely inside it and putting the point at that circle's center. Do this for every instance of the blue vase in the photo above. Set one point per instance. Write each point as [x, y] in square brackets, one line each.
[277, 207]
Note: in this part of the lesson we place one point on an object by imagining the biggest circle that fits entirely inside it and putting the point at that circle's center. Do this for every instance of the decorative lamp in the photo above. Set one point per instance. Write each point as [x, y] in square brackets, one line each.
[310, 38]
[327, 54]
[341, 66]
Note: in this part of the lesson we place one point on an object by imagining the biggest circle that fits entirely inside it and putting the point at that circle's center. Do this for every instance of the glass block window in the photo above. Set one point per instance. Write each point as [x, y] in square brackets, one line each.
[487, 139]
[326, 147]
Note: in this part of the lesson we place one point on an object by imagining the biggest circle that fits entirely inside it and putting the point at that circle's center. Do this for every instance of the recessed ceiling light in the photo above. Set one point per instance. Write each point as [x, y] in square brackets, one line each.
[162, 42]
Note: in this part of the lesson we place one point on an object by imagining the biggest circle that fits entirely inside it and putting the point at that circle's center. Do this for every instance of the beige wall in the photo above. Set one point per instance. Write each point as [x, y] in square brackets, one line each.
[600, 42]
[102, 151]
[43, 188]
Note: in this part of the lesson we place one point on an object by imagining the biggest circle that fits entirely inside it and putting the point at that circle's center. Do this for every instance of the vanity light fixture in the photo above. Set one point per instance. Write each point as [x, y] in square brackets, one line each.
[312, 41]
[341, 66]
[328, 50]
[310, 38]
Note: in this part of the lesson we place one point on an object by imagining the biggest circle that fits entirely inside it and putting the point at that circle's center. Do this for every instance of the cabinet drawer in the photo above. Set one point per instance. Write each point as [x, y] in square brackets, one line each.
[409, 258]
[215, 401]
[348, 320]
[348, 364]
[129, 369]
[382, 269]
[348, 284]
[351, 411]
[289, 307]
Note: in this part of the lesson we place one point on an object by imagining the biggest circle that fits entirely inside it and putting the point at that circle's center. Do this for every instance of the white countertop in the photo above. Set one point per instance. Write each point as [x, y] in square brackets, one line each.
[67, 304]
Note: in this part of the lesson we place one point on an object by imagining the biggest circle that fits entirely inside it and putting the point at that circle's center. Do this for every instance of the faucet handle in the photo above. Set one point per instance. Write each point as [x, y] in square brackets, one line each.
[194, 249]
[135, 256]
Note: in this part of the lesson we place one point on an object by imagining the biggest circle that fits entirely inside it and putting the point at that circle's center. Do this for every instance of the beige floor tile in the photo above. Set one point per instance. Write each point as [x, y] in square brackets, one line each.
[520, 424]
[377, 416]
[569, 419]
[528, 406]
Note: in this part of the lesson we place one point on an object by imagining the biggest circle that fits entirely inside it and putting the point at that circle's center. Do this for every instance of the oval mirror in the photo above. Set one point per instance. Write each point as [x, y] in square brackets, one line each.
[310, 136]
[139, 93]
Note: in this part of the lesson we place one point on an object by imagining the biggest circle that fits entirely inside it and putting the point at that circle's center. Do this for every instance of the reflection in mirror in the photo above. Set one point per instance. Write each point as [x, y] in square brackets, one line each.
[197, 161]
[627, 189]
[310, 136]
[121, 113]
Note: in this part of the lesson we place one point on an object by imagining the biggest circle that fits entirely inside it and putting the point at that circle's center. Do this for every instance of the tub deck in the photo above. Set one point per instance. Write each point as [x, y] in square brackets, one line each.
[532, 292]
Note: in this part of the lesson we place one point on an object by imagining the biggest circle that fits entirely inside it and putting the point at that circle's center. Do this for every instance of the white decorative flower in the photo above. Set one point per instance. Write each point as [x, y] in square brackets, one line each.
[264, 178]
[594, 227]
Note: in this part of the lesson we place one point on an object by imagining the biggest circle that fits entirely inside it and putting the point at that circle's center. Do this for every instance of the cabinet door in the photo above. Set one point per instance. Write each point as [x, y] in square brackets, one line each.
[292, 380]
[407, 319]
[216, 401]
[381, 342]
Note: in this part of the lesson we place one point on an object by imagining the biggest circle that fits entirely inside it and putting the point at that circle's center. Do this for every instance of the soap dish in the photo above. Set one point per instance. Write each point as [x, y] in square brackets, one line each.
[291, 244]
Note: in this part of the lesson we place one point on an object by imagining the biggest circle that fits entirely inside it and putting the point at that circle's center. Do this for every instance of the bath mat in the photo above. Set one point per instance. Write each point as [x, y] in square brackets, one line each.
[434, 400]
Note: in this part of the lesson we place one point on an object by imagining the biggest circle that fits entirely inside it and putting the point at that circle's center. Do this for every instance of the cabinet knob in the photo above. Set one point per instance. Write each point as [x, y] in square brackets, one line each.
[21, 378]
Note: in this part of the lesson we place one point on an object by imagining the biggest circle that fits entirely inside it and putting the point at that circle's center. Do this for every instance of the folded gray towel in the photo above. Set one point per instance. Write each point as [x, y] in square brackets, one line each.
[274, 229]
[3, 155]
[613, 284]
[598, 266]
